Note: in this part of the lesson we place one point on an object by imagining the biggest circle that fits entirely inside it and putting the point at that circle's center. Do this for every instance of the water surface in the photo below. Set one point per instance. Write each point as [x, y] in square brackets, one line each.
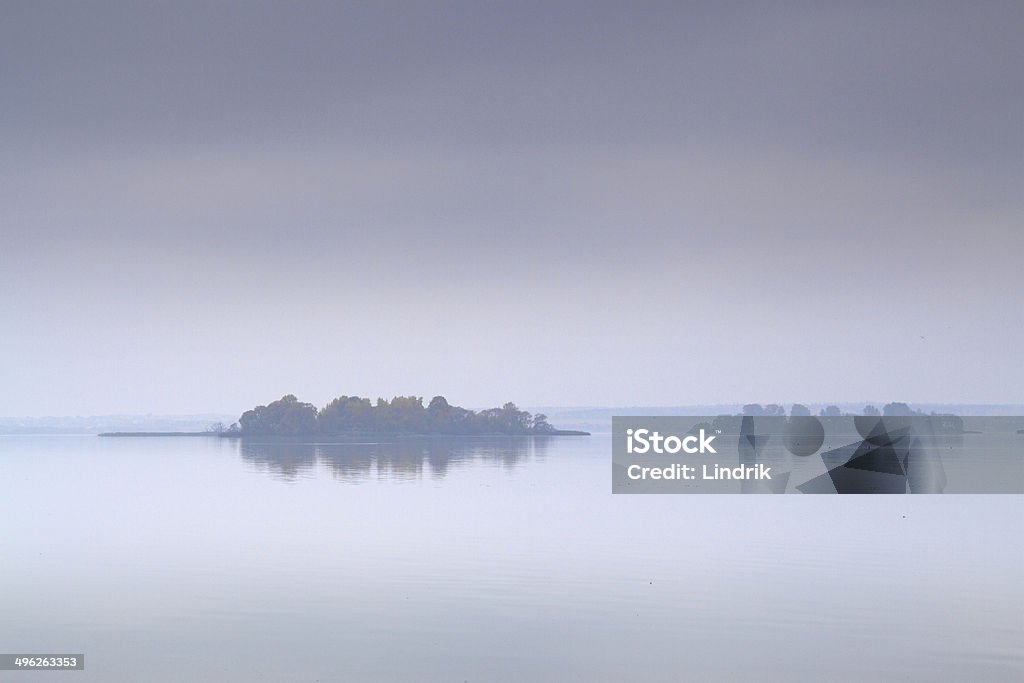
[204, 559]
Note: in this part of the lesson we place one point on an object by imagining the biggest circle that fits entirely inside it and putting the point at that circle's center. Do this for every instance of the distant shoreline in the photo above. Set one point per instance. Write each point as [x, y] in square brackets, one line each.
[353, 435]
[217, 434]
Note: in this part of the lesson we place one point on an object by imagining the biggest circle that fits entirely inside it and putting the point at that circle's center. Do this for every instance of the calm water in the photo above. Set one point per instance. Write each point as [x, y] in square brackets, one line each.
[482, 560]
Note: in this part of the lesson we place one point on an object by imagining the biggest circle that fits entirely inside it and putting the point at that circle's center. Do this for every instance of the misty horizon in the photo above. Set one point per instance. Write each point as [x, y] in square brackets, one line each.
[846, 406]
[570, 205]
[595, 419]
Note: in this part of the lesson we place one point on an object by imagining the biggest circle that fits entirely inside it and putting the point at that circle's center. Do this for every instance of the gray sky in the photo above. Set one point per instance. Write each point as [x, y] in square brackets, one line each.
[203, 207]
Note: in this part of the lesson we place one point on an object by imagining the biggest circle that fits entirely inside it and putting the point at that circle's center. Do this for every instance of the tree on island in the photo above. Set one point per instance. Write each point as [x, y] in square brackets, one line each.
[400, 415]
[899, 409]
[770, 410]
[285, 416]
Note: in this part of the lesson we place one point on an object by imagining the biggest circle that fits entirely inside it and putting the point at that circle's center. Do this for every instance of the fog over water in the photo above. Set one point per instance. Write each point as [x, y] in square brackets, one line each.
[205, 206]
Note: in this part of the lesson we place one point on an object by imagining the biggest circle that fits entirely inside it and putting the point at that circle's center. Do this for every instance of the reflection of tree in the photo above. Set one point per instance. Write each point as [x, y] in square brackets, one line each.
[510, 451]
[394, 460]
[286, 459]
[440, 455]
[350, 462]
[399, 460]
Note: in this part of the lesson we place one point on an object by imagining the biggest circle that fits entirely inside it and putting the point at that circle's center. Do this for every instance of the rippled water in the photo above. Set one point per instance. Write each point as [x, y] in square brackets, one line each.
[202, 559]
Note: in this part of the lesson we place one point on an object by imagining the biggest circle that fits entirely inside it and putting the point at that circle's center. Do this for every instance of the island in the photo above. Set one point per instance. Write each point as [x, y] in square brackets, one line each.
[348, 416]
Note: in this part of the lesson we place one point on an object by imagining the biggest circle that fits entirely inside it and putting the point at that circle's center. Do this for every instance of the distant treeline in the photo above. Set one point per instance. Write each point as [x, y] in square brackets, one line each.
[401, 415]
[798, 409]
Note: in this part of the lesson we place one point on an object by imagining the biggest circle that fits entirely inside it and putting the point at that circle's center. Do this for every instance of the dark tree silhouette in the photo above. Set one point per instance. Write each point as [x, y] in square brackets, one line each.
[400, 415]
[284, 416]
[898, 409]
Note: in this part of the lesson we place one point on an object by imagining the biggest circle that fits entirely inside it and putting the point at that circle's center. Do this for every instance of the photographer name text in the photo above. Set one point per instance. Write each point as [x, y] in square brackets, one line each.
[643, 441]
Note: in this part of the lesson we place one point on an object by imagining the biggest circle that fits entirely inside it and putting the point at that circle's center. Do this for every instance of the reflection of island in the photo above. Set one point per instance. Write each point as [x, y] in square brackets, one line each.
[287, 460]
[351, 415]
[355, 462]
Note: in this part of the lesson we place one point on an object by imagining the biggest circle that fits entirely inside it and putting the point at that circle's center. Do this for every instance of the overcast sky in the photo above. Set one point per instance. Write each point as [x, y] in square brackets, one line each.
[206, 206]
